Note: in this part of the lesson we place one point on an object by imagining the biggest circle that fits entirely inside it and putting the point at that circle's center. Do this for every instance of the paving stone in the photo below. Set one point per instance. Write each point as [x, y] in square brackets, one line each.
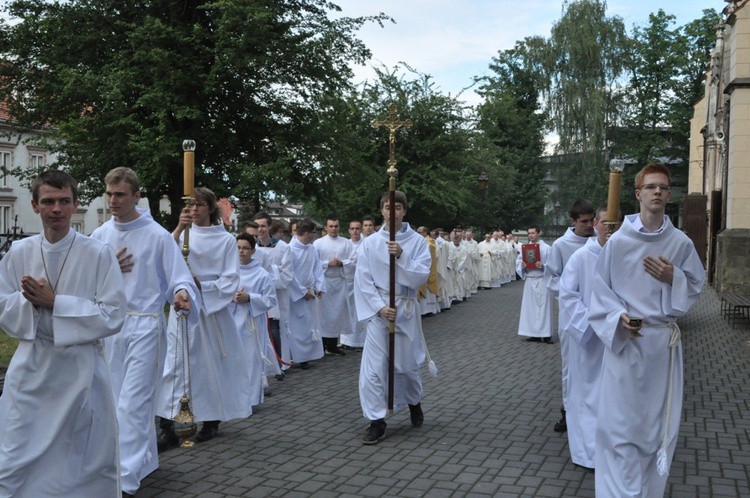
[488, 422]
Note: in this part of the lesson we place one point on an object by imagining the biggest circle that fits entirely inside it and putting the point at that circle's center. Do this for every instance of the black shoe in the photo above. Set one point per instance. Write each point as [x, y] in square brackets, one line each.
[417, 417]
[337, 351]
[547, 340]
[280, 376]
[207, 432]
[562, 424]
[533, 339]
[375, 433]
[304, 365]
[167, 440]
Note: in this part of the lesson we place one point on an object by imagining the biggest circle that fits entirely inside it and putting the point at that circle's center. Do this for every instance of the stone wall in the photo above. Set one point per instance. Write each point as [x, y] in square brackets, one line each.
[733, 261]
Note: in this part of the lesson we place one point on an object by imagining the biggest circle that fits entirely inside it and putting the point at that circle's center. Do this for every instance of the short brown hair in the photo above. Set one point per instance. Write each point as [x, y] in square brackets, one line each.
[123, 174]
[54, 178]
[652, 168]
[400, 198]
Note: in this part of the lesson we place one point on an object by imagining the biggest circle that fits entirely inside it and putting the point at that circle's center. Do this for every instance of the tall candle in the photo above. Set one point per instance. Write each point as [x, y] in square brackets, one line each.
[613, 199]
[189, 171]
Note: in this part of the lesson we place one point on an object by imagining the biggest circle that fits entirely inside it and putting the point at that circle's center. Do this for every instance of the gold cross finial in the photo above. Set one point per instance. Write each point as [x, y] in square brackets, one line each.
[393, 124]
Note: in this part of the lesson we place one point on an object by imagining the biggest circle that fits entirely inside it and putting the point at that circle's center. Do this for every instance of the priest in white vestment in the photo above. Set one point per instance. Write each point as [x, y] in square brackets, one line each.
[220, 383]
[336, 256]
[648, 270]
[154, 272]
[305, 290]
[487, 257]
[373, 306]
[585, 349]
[535, 321]
[252, 301]
[61, 293]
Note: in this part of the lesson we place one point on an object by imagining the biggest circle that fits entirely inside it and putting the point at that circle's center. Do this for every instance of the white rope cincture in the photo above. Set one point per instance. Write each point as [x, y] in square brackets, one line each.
[409, 305]
[662, 465]
[316, 332]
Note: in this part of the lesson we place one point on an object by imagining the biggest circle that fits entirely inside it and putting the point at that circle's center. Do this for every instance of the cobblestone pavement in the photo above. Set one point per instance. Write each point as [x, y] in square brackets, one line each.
[488, 422]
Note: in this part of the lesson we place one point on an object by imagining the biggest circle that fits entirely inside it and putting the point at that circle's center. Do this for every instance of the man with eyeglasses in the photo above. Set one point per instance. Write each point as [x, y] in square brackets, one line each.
[647, 276]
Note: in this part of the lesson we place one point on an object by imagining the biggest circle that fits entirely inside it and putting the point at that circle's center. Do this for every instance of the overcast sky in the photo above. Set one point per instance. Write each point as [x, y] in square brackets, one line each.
[455, 40]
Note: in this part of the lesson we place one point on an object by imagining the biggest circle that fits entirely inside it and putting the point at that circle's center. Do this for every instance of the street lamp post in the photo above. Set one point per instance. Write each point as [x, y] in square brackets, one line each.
[557, 216]
[483, 181]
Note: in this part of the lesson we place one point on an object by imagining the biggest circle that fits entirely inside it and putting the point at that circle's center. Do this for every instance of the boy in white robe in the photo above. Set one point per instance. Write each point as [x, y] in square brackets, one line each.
[582, 220]
[255, 297]
[585, 349]
[337, 256]
[220, 382]
[60, 294]
[535, 321]
[305, 290]
[651, 271]
[269, 252]
[371, 291]
[154, 272]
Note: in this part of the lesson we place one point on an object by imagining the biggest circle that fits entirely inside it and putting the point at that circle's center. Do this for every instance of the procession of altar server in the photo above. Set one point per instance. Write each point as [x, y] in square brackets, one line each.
[245, 308]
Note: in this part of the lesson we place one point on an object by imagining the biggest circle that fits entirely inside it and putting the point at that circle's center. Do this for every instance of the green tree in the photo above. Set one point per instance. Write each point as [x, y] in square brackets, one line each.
[584, 64]
[123, 83]
[436, 166]
[511, 122]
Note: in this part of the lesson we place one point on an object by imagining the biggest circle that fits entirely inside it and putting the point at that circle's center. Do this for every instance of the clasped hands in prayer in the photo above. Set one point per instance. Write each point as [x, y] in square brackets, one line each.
[37, 292]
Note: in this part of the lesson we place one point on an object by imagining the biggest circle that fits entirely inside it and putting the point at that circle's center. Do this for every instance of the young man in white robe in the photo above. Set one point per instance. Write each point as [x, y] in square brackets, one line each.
[585, 349]
[61, 293]
[305, 291]
[252, 301]
[337, 257]
[220, 382]
[154, 272]
[372, 283]
[535, 321]
[269, 252]
[648, 270]
[355, 340]
[582, 228]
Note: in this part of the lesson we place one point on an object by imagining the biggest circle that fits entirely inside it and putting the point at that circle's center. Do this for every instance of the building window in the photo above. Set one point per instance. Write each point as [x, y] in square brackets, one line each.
[5, 219]
[37, 161]
[6, 162]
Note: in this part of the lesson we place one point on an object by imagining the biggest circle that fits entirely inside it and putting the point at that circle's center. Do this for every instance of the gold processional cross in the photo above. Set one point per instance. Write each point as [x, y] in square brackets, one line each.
[393, 124]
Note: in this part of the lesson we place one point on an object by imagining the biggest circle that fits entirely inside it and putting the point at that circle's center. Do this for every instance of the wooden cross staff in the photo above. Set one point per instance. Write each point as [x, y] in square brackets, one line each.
[393, 124]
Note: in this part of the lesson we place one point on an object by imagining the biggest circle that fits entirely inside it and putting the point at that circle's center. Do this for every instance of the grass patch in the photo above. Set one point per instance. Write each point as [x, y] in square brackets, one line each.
[7, 348]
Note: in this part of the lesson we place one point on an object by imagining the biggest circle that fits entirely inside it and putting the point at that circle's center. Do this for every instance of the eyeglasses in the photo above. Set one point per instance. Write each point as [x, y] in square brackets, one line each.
[200, 204]
[654, 186]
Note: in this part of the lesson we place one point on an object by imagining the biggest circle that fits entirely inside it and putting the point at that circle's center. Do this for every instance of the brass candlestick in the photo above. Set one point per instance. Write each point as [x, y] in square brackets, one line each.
[184, 422]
